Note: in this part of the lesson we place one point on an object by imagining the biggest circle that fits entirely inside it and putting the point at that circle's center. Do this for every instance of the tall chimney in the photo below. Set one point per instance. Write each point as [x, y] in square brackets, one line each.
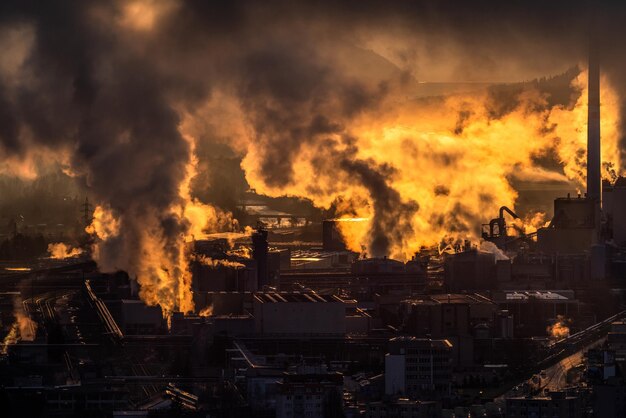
[260, 249]
[594, 181]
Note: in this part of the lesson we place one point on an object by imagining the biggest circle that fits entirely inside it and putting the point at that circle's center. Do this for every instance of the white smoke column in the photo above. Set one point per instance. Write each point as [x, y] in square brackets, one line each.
[27, 327]
[490, 247]
[61, 251]
[153, 246]
[22, 329]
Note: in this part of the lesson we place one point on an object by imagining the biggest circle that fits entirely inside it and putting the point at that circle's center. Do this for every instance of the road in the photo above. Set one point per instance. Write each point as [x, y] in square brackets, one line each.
[555, 376]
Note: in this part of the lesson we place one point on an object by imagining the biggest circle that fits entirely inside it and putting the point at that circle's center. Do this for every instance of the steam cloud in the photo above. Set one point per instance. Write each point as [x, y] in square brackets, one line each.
[316, 98]
[22, 329]
[62, 251]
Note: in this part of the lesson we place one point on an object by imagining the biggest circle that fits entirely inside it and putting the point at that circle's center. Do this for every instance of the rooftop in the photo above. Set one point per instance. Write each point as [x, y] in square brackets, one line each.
[545, 295]
[401, 401]
[134, 302]
[422, 341]
[453, 298]
[540, 398]
[297, 297]
[461, 298]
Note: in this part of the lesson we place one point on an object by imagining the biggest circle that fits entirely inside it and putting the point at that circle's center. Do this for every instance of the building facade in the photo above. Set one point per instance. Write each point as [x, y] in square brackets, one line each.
[415, 367]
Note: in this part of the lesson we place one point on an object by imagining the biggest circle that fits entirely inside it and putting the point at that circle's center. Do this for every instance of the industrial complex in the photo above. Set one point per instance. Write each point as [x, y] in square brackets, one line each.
[286, 318]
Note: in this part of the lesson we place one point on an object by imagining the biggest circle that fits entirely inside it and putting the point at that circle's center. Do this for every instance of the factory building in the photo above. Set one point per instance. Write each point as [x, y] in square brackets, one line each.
[358, 321]
[65, 400]
[224, 275]
[224, 303]
[418, 367]
[600, 365]
[614, 208]
[403, 408]
[532, 310]
[298, 314]
[446, 314]
[574, 228]
[610, 399]
[525, 270]
[557, 404]
[469, 270]
[365, 278]
[315, 395]
[278, 259]
[283, 313]
[215, 269]
[616, 340]
[545, 271]
[581, 245]
[456, 317]
[137, 318]
[316, 259]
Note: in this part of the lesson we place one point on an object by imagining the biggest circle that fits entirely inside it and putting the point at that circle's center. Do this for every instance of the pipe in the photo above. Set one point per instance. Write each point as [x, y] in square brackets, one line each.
[491, 225]
[509, 211]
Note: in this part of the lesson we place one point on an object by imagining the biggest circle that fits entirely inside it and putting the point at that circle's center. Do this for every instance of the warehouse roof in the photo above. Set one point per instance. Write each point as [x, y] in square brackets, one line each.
[284, 297]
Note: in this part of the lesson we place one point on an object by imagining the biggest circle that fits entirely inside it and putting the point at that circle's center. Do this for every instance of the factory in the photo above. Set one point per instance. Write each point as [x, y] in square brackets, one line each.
[299, 314]
[415, 367]
[581, 248]
[438, 307]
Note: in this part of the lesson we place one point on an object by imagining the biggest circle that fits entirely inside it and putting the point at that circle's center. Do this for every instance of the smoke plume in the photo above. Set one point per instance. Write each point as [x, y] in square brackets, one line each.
[559, 329]
[61, 251]
[321, 101]
[22, 329]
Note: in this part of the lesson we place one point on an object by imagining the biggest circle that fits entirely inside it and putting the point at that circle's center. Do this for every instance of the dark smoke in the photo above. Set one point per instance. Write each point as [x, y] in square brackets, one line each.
[294, 97]
[113, 98]
[107, 104]
[392, 216]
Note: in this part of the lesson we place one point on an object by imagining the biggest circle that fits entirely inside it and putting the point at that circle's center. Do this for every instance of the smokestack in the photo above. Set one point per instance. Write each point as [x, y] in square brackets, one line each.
[260, 249]
[594, 181]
